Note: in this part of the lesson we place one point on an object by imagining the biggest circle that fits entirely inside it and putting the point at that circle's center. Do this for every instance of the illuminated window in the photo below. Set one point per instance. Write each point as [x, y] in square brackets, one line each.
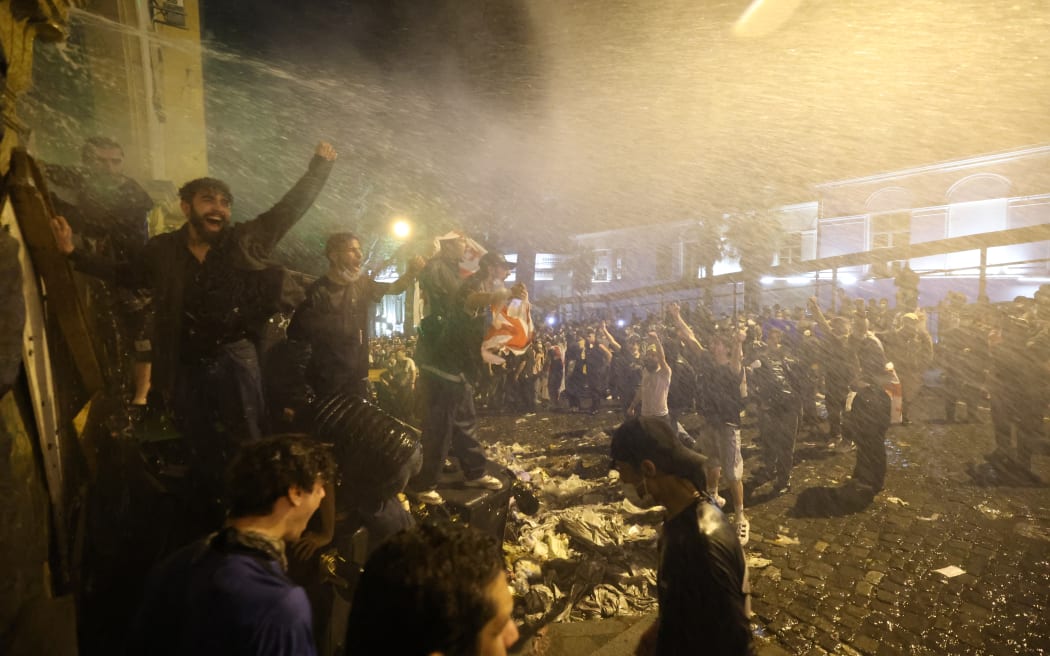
[546, 263]
[602, 261]
[790, 251]
[890, 229]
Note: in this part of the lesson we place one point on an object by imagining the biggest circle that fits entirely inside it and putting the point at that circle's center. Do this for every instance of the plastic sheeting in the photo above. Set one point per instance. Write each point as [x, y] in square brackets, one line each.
[587, 553]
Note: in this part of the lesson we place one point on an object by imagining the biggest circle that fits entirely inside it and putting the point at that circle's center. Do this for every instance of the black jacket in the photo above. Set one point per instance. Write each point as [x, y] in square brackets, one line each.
[260, 286]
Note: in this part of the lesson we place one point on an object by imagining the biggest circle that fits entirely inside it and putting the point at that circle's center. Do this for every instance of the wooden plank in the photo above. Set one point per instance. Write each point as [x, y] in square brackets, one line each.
[33, 213]
[36, 357]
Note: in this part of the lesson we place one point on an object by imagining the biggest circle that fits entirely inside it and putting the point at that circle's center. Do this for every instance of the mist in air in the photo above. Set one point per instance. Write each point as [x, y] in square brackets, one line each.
[528, 122]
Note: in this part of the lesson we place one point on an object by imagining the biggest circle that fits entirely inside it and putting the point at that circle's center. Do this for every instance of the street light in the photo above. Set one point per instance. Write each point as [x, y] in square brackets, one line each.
[401, 228]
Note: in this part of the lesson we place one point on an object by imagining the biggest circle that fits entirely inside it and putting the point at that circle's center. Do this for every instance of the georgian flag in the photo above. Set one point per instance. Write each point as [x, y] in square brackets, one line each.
[511, 329]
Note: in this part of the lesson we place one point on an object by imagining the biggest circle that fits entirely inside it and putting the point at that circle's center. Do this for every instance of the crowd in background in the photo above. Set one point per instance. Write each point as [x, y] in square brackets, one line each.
[978, 355]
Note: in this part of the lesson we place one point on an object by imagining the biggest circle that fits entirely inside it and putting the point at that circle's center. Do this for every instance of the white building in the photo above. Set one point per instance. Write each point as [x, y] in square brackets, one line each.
[638, 269]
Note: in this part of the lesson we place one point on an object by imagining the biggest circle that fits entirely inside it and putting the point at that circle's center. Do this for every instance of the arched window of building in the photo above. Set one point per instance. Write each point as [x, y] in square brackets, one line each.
[889, 217]
[978, 203]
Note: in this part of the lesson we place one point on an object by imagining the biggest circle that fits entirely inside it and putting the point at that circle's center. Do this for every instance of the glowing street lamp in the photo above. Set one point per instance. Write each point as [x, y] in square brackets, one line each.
[401, 228]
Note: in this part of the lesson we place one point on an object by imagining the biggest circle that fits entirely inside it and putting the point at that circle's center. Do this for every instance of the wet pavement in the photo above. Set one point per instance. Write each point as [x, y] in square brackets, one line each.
[950, 558]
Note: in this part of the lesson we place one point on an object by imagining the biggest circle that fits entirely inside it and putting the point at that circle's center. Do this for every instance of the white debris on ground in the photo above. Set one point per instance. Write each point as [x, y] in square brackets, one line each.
[587, 553]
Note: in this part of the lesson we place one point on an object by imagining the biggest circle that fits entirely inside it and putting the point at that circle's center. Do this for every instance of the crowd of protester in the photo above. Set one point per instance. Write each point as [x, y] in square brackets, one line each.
[833, 372]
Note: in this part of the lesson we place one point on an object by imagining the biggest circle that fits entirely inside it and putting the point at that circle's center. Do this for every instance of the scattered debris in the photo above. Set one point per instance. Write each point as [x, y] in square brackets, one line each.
[758, 562]
[951, 571]
[1032, 531]
[785, 540]
[992, 513]
[897, 501]
[588, 552]
[932, 518]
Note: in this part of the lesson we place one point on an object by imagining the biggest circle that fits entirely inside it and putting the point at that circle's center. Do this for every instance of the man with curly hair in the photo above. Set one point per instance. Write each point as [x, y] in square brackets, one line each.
[230, 592]
[433, 590]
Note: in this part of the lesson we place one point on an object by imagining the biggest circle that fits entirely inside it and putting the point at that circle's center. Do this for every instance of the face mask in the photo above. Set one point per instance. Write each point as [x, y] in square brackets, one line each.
[349, 276]
[641, 499]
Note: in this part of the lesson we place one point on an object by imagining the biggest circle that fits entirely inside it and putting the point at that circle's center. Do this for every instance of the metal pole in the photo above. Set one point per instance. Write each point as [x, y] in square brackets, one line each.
[834, 288]
[982, 282]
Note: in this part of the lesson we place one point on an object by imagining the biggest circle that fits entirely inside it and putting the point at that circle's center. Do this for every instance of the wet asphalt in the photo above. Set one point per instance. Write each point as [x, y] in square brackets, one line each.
[952, 557]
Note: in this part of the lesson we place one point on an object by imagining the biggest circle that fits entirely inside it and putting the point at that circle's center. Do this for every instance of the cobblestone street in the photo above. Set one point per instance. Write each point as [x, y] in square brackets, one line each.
[830, 578]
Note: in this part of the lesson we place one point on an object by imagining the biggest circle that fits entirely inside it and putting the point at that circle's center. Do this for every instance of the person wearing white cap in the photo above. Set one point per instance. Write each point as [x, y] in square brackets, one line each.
[444, 353]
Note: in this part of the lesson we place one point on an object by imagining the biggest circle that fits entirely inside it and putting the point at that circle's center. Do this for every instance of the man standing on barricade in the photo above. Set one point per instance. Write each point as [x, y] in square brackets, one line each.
[213, 285]
[109, 212]
[330, 328]
[448, 355]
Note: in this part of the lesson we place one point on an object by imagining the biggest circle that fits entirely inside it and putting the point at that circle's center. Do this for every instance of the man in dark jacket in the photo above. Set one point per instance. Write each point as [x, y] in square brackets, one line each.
[701, 583]
[213, 284]
[330, 328]
[109, 211]
[776, 375]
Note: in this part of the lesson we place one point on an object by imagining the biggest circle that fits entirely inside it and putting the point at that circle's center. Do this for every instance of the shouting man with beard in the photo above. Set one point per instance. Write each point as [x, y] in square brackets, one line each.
[330, 327]
[213, 286]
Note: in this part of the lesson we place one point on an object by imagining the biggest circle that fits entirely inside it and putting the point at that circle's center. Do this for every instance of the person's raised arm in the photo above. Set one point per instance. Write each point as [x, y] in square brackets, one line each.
[613, 344]
[684, 331]
[661, 357]
[814, 307]
[269, 227]
[415, 265]
[133, 274]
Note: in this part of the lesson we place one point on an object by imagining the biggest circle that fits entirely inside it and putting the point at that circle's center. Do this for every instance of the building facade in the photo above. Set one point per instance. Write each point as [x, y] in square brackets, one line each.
[639, 269]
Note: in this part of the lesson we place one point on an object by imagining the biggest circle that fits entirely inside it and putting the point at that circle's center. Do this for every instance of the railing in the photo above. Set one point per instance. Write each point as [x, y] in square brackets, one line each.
[979, 242]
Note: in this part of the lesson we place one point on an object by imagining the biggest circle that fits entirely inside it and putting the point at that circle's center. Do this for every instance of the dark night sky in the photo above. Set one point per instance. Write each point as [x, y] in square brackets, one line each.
[585, 115]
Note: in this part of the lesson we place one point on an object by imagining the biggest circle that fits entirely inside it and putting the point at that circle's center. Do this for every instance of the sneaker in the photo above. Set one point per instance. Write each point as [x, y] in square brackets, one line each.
[430, 497]
[719, 500]
[743, 530]
[488, 481]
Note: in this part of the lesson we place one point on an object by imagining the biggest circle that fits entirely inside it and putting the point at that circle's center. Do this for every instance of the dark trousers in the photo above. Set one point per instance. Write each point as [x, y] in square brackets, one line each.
[1018, 424]
[779, 428]
[835, 402]
[525, 393]
[450, 425]
[955, 390]
[867, 428]
[217, 405]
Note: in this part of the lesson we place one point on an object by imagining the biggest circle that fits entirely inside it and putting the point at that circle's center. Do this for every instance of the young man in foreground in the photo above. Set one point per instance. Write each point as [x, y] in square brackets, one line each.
[230, 592]
[433, 590]
[702, 576]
